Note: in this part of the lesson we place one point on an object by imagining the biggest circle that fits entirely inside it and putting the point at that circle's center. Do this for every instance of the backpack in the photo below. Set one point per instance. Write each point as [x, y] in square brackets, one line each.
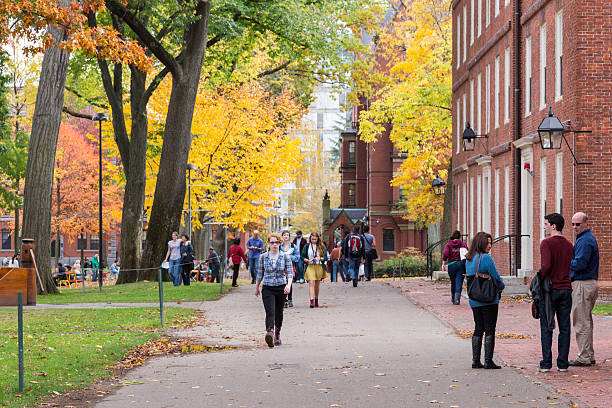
[355, 245]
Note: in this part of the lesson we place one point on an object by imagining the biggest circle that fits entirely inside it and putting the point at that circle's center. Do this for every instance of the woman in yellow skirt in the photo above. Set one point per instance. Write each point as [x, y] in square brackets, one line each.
[314, 255]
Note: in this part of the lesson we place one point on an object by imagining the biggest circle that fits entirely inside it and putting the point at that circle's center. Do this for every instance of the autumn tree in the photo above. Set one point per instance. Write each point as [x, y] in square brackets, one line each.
[410, 89]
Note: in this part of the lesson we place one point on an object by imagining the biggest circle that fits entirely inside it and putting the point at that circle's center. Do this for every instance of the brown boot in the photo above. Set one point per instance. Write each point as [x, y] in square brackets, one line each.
[277, 339]
[269, 338]
[316, 302]
[311, 303]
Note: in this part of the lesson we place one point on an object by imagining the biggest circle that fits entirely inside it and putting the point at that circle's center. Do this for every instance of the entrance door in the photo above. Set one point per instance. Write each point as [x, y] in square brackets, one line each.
[526, 266]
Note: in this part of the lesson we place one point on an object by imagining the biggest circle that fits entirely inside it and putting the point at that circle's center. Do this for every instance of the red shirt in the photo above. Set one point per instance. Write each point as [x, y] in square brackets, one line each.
[556, 254]
[236, 253]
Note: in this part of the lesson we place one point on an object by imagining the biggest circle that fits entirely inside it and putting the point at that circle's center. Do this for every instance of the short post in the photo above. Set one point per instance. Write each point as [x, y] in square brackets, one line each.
[100, 271]
[20, 337]
[400, 273]
[84, 276]
[161, 296]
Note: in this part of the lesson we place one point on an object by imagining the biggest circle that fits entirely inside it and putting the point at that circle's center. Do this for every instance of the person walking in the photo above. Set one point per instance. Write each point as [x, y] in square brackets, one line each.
[213, 264]
[174, 257]
[95, 268]
[315, 256]
[336, 258]
[556, 254]
[300, 242]
[114, 270]
[275, 274]
[478, 261]
[584, 272]
[186, 259]
[235, 255]
[369, 250]
[451, 261]
[353, 250]
[255, 246]
[289, 249]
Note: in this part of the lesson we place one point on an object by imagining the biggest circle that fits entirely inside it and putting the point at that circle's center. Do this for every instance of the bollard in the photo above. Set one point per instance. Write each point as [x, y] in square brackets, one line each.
[84, 275]
[20, 336]
[161, 297]
[100, 272]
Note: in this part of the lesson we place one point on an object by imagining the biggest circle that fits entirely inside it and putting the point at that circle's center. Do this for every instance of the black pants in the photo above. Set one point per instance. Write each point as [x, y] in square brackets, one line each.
[274, 302]
[485, 319]
[214, 275]
[369, 267]
[186, 273]
[235, 276]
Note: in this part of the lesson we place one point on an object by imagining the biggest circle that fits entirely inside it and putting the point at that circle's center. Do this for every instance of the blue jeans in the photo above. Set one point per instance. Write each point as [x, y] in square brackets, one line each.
[353, 267]
[253, 268]
[299, 270]
[561, 300]
[175, 271]
[335, 267]
[455, 273]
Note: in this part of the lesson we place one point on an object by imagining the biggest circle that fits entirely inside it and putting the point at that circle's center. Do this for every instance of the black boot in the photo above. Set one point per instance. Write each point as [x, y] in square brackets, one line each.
[453, 297]
[489, 347]
[476, 347]
[457, 298]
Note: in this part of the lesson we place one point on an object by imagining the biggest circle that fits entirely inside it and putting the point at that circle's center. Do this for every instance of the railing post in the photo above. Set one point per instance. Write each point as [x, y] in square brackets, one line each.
[509, 256]
[161, 296]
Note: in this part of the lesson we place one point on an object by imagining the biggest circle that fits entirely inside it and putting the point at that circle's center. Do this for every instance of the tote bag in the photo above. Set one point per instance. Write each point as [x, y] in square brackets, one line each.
[481, 286]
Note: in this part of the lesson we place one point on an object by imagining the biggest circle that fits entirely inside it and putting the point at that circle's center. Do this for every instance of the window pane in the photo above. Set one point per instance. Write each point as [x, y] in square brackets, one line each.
[6, 239]
[94, 243]
[388, 240]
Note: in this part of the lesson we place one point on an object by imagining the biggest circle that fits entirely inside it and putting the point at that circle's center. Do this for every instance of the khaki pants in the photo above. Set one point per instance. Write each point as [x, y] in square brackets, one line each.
[584, 295]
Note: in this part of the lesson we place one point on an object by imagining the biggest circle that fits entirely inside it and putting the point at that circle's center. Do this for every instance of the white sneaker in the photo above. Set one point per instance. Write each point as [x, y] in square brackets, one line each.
[543, 370]
[562, 369]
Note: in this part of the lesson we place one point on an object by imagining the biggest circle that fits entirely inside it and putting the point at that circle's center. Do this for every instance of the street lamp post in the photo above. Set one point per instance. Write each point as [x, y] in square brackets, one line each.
[438, 186]
[552, 133]
[100, 117]
[189, 168]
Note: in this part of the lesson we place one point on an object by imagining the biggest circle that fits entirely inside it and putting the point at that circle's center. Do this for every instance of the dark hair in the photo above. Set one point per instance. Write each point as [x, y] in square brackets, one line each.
[365, 228]
[479, 245]
[456, 234]
[555, 219]
[237, 241]
[186, 236]
[356, 229]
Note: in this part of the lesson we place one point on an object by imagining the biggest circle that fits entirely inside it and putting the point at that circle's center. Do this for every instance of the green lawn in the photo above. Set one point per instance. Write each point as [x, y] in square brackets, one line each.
[137, 292]
[55, 361]
[603, 309]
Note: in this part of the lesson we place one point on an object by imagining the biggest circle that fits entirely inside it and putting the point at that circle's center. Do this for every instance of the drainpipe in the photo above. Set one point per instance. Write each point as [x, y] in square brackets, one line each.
[516, 38]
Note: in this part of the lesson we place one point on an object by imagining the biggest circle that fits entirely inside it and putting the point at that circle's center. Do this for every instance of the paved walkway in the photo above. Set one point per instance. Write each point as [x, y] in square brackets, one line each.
[518, 343]
[365, 347]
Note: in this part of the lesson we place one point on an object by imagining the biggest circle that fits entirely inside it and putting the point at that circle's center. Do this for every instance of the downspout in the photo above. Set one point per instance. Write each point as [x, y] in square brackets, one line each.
[516, 38]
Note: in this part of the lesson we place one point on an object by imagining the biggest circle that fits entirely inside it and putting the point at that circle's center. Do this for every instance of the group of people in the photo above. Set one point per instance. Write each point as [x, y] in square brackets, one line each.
[565, 287]
[89, 267]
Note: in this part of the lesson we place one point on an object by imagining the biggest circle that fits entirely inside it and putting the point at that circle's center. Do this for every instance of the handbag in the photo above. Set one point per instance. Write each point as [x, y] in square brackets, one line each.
[372, 254]
[481, 286]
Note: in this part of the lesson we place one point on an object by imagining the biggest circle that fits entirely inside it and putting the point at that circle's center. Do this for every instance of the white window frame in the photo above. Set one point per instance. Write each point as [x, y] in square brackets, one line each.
[496, 203]
[487, 98]
[496, 94]
[472, 22]
[458, 125]
[496, 8]
[506, 2]
[478, 203]
[471, 207]
[558, 182]
[464, 33]
[479, 17]
[479, 103]
[458, 54]
[464, 109]
[528, 77]
[465, 226]
[487, 13]
[458, 198]
[486, 199]
[472, 103]
[543, 66]
[543, 183]
[559, 55]
[506, 200]
[507, 85]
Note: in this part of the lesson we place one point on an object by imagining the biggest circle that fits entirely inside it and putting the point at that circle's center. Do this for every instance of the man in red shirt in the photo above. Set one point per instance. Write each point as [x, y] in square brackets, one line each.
[556, 254]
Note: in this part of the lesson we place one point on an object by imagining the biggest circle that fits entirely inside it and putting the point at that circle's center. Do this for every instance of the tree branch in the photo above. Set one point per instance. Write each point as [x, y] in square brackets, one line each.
[154, 84]
[88, 100]
[274, 70]
[76, 114]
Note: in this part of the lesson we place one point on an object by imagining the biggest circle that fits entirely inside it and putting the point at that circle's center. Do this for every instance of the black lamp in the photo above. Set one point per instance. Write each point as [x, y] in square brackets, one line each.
[469, 137]
[438, 186]
[550, 131]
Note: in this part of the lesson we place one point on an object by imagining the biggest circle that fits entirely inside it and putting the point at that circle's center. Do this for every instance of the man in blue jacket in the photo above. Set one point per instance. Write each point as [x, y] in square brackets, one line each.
[584, 271]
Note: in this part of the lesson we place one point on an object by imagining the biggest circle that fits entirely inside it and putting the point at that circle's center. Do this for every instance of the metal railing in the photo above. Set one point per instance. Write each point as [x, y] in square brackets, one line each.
[512, 269]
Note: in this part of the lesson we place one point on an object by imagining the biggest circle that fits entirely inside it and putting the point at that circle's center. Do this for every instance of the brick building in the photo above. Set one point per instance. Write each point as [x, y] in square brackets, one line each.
[512, 61]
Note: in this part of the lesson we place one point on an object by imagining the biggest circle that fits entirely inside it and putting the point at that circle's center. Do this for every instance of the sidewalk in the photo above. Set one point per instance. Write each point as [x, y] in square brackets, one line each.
[518, 340]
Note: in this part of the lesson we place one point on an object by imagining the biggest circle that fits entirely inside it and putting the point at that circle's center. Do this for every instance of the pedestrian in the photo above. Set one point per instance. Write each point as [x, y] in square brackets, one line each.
[76, 268]
[353, 251]
[451, 261]
[234, 256]
[336, 259]
[213, 264]
[300, 242]
[479, 261]
[186, 259]
[255, 245]
[556, 254]
[289, 249]
[369, 247]
[584, 272]
[315, 256]
[174, 257]
[14, 262]
[95, 267]
[114, 270]
[275, 273]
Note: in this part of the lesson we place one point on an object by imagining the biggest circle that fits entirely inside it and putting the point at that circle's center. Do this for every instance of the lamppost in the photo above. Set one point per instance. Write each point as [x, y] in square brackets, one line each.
[551, 131]
[100, 117]
[438, 186]
[469, 137]
[189, 168]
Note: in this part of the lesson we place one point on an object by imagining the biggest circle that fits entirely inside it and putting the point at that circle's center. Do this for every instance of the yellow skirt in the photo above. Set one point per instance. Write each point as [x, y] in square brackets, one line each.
[315, 272]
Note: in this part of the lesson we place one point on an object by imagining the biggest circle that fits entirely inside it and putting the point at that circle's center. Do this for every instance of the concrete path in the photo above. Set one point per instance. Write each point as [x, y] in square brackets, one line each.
[365, 347]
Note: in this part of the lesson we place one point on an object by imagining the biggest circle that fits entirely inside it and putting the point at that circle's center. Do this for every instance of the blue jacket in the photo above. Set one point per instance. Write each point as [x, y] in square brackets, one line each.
[486, 266]
[585, 263]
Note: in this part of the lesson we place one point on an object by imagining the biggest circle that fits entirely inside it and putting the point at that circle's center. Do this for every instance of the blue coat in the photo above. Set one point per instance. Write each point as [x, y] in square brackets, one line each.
[486, 266]
[585, 263]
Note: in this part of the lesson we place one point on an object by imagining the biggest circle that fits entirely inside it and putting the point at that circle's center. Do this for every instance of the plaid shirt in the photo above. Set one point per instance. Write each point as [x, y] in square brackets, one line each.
[273, 274]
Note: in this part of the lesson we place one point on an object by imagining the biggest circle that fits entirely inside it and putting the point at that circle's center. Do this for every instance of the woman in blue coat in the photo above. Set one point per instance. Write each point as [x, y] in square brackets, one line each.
[479, 261]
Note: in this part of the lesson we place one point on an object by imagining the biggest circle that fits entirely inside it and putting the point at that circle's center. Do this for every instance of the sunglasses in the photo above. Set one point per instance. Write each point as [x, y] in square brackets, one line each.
[273, 242]
[576, 224]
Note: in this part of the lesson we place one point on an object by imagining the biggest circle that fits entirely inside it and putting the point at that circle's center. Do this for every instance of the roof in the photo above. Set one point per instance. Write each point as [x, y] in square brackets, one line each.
[355, 214]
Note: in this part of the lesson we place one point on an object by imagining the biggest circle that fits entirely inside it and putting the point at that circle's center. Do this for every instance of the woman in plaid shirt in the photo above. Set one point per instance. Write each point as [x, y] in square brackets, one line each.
[275, 270]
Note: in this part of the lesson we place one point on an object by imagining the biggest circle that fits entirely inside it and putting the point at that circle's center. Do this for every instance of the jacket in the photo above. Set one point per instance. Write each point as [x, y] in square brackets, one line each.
[541, 292]
[486, 266]
[451, 250]
[305, 255]
[236, 253]
[585, 263]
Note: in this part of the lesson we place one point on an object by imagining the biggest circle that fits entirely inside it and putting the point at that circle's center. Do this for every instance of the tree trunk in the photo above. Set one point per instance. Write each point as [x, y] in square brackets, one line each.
[171, 184]
[41, 156]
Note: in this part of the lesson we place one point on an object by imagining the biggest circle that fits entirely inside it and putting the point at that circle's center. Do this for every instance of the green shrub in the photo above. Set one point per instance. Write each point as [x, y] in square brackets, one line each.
[402, 266]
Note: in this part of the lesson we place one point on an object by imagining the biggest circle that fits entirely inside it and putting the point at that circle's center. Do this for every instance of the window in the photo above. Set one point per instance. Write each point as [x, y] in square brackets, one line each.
[458, 125]
[351, 152]
[320, 120]
[506, 200]
[6, 239]
[527, 76]
[542, 196]
[82, 241]
[487, 12]
[543, 66]
[487, 97]
[496, 203]
[478, 103]
[94, 243]
[506, 2]
[388, 240]
[559, 55]
[479, 17]
[458, 202]
[458, 53]
[351, 194]
[464, 109]
[471, 206]
[486, 199]
[496, 8]
[472, 103]
[464, 33]
[507, 86]
[465, 227]
[472, 22]
[478, 203]
[559, 183]
[496, 95]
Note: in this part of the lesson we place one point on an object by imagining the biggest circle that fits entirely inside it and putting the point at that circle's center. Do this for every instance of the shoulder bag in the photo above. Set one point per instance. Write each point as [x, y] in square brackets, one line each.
[372, 254]
[481, 287]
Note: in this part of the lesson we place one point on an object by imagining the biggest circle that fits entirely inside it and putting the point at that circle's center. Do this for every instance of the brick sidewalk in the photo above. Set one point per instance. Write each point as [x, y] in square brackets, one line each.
[518, 341]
